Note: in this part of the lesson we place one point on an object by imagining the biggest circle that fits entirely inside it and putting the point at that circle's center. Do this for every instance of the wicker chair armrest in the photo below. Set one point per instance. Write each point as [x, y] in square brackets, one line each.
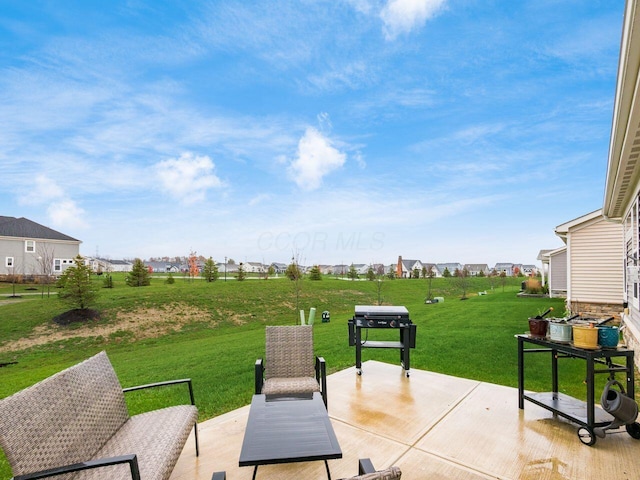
[219, 476]
[259, 374]
[365, 465]
[132, 460]
[163, 384]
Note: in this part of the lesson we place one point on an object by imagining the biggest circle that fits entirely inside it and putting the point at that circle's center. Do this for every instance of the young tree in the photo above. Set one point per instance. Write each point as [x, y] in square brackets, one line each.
[194, 271]
[139, 275]
[46, 255]
[371, 275]
[314, 273]
[353, 273]
[210, 270]
[391, 275]
[462, 281]
[415, 273]
[446, 273]
[294, 274]
[241, 275]
[76, 288]
[429, 275]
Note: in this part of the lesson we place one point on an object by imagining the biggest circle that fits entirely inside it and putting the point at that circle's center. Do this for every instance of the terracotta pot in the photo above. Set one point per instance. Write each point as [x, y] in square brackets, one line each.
[538, 327]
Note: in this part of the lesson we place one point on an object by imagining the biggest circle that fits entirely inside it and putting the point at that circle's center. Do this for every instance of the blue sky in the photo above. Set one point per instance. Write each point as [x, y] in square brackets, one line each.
[339, 131]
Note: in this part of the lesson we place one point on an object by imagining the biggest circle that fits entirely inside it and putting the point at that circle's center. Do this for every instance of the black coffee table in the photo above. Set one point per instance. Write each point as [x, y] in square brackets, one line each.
[286, 430]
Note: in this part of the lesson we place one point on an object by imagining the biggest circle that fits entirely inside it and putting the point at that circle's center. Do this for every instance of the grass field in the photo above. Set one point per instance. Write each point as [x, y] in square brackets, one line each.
[213, 332]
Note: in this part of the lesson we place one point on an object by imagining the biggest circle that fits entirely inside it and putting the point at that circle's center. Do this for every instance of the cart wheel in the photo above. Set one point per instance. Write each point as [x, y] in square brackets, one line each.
[633, 429]
[586, 436]
[407, 373]
[359, 371]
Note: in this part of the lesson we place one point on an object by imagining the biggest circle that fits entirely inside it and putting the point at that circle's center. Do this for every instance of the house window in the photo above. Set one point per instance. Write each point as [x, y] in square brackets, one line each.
[29, 246]
[57, 265]
[8, 262]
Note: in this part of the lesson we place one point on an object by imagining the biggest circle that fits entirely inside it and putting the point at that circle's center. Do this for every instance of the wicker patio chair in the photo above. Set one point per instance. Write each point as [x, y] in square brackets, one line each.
[366, 471]
[289, 367]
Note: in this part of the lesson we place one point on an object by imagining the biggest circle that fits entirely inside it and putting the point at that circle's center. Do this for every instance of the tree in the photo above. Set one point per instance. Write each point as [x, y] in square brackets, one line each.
[446, 273]
[462, 281]
[241, 275]
[371, 275]
[194, 271]
[314, 273]
[415, 273]
[294, 274]
[210, 270]
[293, 271]
[429, 275]
[391, 275]
[76, 287]
[46, 255]
[352, 273]
[139, 275]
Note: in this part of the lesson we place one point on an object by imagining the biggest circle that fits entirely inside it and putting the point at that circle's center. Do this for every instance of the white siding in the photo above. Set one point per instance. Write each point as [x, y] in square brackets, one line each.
[558, 274]
[596, 263]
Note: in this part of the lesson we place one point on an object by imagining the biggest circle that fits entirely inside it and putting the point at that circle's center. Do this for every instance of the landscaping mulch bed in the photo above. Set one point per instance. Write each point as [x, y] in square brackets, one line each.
[77, 315]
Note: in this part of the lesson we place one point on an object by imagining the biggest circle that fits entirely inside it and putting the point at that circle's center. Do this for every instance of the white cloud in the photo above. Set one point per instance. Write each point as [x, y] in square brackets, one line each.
[43, 190]
[316, 158]
[65, 213]
[187, 178]
[402, 16]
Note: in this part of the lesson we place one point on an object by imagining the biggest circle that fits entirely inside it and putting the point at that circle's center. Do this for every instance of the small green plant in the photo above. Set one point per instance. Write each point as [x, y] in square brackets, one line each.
[170, 280]
[108, 281]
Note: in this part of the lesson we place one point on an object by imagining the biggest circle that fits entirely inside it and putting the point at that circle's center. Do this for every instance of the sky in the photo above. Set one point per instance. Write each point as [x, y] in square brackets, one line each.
[332, 132]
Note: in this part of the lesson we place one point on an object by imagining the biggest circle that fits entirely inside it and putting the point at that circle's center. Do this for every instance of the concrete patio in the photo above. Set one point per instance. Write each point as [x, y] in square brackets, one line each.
[431, 426]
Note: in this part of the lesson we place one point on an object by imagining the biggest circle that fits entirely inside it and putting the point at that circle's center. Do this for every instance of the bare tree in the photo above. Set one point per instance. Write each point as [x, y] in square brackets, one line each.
[46, 255]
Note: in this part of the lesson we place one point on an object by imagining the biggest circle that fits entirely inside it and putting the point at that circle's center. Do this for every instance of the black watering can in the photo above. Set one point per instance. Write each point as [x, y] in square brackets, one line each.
[623, 408]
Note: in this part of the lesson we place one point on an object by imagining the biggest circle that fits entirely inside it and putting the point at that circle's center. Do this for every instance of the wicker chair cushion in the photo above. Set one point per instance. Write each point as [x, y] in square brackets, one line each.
[156, 437]
[392, 473]
[63, 419]
[280, 386]
[289, 352]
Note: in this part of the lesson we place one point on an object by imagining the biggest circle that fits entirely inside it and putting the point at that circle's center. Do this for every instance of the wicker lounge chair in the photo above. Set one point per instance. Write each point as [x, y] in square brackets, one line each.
[77, 422]
[289, 367]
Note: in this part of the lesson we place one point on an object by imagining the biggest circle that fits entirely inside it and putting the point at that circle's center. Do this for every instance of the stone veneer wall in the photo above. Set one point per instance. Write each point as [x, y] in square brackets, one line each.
[597, 310]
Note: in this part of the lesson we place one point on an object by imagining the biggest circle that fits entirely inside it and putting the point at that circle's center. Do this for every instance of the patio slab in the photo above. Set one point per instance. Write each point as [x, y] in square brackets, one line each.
[431, 426]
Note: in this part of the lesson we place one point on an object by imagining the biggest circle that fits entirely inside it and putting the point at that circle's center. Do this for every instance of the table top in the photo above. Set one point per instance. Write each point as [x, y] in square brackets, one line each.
[288, 430]
[570, 348]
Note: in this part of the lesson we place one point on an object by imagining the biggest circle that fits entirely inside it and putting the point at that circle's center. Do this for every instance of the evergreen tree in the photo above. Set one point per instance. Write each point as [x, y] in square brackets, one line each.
[76, 288]
[446, 273]
[139, 275]
[353, 273]
[415, 273]
[210, 270]
[392, 273]
[371, 275]
[241, 275]
[293, 271]
[314, 273]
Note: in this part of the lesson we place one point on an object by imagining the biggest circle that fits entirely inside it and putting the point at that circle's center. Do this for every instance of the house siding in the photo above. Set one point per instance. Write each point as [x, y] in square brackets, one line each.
[596, 266]
[558, 274]
[27, 263]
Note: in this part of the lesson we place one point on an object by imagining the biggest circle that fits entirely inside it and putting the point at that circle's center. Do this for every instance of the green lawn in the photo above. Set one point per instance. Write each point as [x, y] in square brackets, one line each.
[217, 346]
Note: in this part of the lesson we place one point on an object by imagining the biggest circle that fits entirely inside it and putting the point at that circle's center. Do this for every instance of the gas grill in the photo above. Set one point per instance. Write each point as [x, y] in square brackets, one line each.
[382, 317]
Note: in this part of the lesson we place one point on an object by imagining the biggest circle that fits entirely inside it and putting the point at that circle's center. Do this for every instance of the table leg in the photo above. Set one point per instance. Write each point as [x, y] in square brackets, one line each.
[326, 464]
[520, 374]
[255, 471]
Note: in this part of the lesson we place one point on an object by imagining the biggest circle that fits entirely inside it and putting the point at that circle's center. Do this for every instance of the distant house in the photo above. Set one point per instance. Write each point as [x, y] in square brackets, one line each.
[406, 268]
[164, 267]
[507, 268]
[474, 269]
[529, 270]
[450, 267]
[555, 274]
[279, 267]
[595, 252]
[254, 267]
[108, 265]
[340, 269]
[28, 248]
